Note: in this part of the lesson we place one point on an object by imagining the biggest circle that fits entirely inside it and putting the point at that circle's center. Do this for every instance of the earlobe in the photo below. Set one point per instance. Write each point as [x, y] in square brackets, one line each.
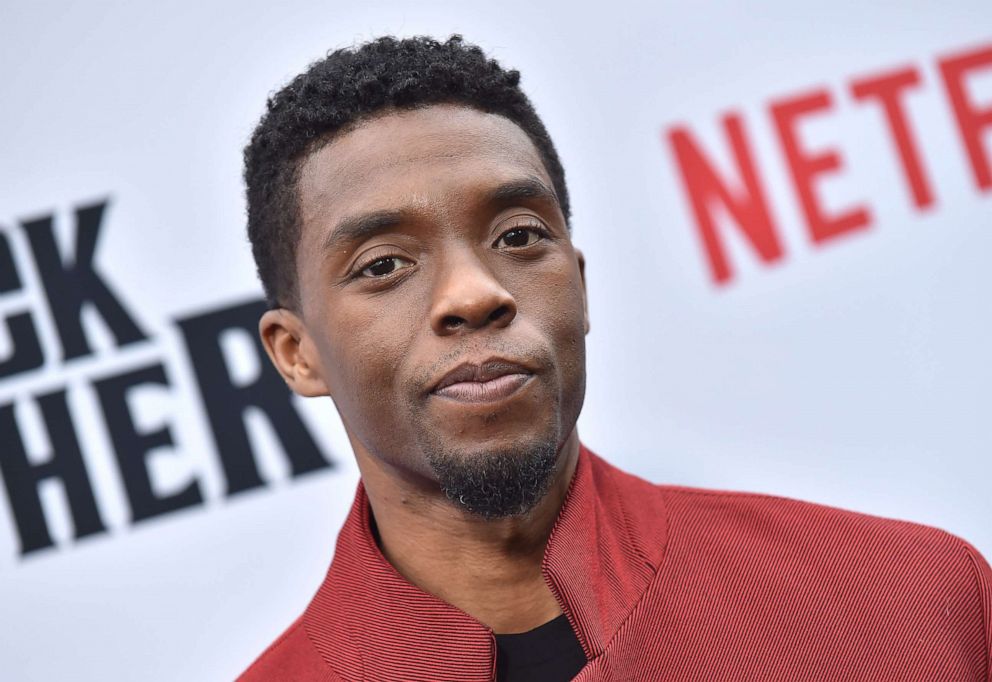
[288, 346]
[585, 298]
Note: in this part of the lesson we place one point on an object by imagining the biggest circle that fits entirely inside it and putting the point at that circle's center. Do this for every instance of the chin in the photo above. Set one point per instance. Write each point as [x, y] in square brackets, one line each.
[498, 478]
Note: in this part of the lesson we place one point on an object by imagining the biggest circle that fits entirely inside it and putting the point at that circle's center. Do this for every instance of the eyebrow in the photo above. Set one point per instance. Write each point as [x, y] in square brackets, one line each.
[361, 227]
[364, 226]
[525, 188]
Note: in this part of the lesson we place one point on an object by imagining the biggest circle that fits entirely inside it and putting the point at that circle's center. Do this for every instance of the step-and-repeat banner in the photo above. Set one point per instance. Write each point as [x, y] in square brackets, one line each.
[787, 218]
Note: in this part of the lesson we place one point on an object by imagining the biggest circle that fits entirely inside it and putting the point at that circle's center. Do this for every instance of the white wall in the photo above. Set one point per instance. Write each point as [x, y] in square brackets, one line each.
[855, 373]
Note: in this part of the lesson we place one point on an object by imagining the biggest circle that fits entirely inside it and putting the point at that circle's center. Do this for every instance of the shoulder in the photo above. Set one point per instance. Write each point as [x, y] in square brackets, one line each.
[768, 520]
[292, 656]
[755, 534]
[754, 531]
[875, 569]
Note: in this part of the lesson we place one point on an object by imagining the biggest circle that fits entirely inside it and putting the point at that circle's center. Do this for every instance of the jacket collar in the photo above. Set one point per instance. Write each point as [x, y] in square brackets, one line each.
[368, 622]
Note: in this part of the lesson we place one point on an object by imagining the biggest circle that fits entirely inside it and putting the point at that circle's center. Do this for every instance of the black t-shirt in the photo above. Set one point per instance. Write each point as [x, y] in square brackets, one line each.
[548, 653]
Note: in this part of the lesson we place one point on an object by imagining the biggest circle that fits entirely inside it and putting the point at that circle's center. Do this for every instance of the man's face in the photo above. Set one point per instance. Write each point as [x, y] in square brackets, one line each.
[442, 304]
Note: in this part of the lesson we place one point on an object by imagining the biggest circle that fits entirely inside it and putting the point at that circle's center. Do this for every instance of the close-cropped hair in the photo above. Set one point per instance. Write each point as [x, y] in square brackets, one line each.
[340, 91]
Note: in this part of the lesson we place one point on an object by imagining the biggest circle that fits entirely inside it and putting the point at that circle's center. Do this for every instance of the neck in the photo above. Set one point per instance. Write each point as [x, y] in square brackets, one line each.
[490, 569]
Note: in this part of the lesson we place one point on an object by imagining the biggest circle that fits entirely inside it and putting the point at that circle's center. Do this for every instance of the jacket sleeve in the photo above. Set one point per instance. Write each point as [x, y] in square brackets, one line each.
[983, 577]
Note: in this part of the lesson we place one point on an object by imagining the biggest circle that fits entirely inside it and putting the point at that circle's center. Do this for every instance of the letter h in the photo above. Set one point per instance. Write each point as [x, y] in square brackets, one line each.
[22, 478]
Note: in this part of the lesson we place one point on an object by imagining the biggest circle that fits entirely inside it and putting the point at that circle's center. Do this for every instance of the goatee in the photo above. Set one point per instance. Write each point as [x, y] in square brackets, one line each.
[496, 484]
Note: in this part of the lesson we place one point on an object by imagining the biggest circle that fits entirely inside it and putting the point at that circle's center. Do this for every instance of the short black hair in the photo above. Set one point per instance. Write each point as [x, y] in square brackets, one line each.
[346, 87]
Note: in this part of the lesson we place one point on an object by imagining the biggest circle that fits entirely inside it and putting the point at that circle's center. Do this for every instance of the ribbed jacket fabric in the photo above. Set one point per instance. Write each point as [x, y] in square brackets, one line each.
[670, 583]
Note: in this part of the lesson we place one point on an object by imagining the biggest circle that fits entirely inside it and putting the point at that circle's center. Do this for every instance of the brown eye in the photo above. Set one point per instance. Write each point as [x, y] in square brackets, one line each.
[517, 237]
[385, 266]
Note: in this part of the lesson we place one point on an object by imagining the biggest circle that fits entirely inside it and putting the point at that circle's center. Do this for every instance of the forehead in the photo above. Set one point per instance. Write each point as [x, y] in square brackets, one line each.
[433, 158]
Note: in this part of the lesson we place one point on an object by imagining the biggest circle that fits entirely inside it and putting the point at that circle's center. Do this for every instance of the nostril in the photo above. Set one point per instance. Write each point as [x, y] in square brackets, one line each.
[498, 313]
[452, 321]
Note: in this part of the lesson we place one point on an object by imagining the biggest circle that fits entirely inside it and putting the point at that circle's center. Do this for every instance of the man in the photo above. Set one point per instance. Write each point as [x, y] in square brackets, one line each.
[409, 219]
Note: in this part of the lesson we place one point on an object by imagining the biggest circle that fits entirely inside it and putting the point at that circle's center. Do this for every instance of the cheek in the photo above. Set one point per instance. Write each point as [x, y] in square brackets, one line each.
[565, 320]
[367, 348]
[562, 302]
[551, 297]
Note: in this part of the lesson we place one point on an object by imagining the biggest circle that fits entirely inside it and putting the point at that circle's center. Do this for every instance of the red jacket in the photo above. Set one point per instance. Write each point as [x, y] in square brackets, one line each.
[669, 583]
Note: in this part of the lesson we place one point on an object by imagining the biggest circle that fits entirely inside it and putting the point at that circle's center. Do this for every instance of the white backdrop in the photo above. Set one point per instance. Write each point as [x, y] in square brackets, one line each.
[854, 372]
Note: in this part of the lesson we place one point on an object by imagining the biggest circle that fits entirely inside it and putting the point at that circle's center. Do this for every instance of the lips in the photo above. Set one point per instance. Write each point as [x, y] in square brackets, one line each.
[488, 381]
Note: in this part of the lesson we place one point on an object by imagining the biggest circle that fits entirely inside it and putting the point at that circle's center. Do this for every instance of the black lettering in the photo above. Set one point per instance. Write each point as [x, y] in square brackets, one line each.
[226, 403]
[69, 287]
[132, 447]
[22, 478]
[26, 354]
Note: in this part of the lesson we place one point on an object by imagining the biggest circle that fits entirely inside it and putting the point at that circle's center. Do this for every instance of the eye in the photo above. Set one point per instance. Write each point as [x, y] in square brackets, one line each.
[381, 267]
[520, 236]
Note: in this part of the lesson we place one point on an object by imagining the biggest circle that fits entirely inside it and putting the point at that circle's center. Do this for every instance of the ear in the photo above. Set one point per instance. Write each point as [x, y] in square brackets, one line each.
[292, 352]
[582, 273]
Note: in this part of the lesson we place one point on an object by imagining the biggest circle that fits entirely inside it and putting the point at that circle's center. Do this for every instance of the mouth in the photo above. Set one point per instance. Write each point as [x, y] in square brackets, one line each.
[488, 381]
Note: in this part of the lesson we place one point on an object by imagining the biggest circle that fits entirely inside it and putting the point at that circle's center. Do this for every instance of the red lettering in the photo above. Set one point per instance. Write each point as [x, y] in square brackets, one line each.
[705, 188]
[970, 119]
[888, 90]
[805, 166]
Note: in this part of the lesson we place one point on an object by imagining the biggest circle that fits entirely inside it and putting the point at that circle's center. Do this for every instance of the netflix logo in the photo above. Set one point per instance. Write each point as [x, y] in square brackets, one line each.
[741, 195]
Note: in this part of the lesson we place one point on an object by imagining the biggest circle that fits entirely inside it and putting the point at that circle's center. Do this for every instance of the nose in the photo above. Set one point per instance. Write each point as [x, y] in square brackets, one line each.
[468, 296]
